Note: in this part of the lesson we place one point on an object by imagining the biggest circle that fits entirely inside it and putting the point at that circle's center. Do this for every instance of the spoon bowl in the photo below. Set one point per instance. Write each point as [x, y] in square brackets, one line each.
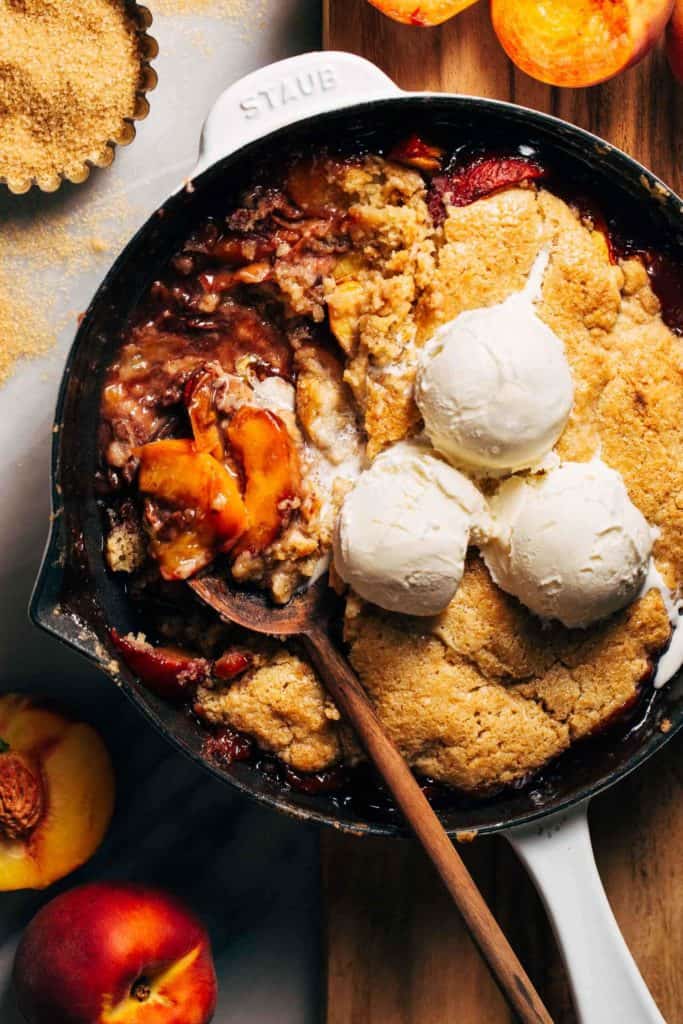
[251, 609]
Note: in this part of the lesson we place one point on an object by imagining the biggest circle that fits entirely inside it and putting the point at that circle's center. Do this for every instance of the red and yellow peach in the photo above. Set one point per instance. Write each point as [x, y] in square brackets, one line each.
[578, 43]
[115, 953]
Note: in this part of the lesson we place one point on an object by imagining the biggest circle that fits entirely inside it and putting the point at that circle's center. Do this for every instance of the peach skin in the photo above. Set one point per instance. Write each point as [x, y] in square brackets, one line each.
[577, 43]
[168, 671]
[421, 12]
[674, 40]
[56, 793]
[115, 953]
[173, 673]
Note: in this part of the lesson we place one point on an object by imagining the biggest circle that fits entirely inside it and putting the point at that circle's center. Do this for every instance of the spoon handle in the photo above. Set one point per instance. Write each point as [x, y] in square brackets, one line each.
[344, 686]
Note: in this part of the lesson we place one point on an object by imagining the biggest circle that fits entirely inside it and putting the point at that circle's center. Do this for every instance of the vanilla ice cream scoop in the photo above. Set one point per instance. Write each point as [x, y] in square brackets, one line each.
[570, 545]
[494, 386]
[403, 531]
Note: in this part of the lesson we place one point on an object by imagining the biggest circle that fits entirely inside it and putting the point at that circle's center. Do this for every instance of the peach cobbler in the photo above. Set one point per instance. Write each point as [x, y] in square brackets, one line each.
[441, 381]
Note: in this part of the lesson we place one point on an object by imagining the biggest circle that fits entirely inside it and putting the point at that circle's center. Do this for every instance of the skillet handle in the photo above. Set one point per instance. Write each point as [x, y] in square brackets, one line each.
[345, 688]
[282, 93]
[606, 985]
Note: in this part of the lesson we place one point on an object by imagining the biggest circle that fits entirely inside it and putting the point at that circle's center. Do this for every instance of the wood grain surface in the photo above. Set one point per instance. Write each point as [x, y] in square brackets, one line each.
[397, 952]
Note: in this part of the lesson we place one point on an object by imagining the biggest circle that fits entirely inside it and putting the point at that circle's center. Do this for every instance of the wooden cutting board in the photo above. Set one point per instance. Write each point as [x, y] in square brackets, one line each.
[396, 950]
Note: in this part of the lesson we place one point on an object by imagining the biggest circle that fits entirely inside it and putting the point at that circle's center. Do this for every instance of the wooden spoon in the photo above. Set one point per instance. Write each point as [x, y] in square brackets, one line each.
[308, 616]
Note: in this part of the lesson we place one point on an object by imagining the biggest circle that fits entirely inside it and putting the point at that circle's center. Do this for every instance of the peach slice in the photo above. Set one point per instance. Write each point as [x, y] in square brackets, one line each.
[482, 177]
[183, 556]
[221, 280]
[232, 663]
[174, 472]
[421, 12]
[578, 43]
[314, 186]
[170, 672]
[199, 399]
[56, 794]
[415, 152]
[265, 449]
[674, 40]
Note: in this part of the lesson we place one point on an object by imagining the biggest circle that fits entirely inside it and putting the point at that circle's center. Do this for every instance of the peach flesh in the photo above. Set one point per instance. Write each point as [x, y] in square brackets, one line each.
[260, 440]
[421, 12]
[577, 43]
[175, 473]
[57, 794]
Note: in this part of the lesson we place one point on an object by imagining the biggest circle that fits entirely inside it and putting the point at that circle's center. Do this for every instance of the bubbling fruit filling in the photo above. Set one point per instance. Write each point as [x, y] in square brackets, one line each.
[240, 347]
[225, 412]
[276, 358]
[204, 497]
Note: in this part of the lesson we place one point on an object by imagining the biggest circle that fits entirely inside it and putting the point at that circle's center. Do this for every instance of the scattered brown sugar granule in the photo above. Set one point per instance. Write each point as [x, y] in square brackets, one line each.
[23, 331]
[47, 245]
[70, 71]
[221, 8]
[246, 17]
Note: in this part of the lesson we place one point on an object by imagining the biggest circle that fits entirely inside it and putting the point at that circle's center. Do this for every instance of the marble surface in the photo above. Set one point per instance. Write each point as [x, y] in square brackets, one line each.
[250, 873]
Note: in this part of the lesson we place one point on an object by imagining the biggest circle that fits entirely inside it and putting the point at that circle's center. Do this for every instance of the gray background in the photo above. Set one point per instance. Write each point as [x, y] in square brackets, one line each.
[251, 874]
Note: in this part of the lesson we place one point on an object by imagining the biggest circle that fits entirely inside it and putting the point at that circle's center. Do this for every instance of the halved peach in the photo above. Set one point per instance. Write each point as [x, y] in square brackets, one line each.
[674, 40]
[56, 793]
[421, 12]
[174, 472]
[577, 43]
[266, 451]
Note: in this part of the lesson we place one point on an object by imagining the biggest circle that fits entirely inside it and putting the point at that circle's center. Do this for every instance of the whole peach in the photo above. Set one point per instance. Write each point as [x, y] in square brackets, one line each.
[577, 43]
[115, 953]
